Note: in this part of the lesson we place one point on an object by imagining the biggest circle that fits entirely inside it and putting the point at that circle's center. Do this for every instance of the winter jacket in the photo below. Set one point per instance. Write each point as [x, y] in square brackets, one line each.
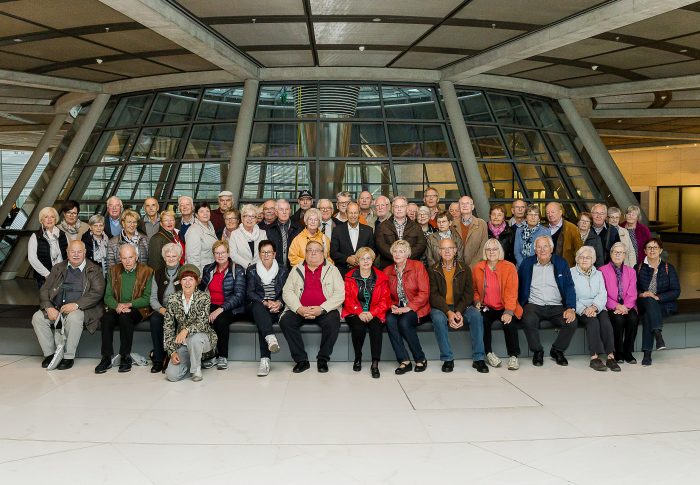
[562, 274]
[590, 290]
[234, 285]
[416, 285]
[668, 287]
[254, 287]
[381, 296]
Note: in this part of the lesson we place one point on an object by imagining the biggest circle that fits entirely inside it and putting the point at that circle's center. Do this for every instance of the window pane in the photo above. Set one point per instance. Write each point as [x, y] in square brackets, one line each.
[509, 110]
[474, 107]
[276, 102]
[211, 141]
[545, 116]
[354, 177]
[130, 111]
[500, 181]
[409, 103]
[563, 148]
[158, 143]
[201, 181]
[220, 104]
[96, 183]
[352, 140]
[409, 140]
[413, 178]
[141, 181]
[526, 144]
[274, 180]
[174, 106]
[486, 142]
[283, 140]
[368, 104]
[542, 181]
[113, 146]
[583, 185]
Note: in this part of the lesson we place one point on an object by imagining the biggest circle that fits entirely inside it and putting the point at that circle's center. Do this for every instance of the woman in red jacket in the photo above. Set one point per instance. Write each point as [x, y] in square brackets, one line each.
[496, 295]
[367, 299]
[410, 301]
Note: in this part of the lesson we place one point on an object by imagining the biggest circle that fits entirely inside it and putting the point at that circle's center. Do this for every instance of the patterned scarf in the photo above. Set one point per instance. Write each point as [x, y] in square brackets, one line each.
[72, 230]
[124, 239]
[584, 236]
[401, 293]
[497, 230]
[618, 274]
[445, 235]
[526, 236]
[588, 273]
[54, 246]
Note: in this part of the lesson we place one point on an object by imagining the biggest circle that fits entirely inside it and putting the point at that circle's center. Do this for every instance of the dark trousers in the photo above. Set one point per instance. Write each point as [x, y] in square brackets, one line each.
[359, 329]
[624, 330]
[291, 323]
[264, 320]
[652, 314]
[157, 321]
[533, 314]
[510, 332]
[126, 323]
[599, 333]
[221, 327]
[404, 326]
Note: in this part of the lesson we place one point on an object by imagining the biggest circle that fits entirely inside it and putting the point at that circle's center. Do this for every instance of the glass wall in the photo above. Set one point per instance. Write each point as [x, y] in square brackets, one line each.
[11, 164]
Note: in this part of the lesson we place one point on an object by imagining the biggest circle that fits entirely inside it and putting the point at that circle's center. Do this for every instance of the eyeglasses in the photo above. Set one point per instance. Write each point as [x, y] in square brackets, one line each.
[618, 253]
[488, 250]
[451, 248]
[219, 253]
[73, 213]
[267, 252]
[314, 251]
[652, 248]
[585, 258]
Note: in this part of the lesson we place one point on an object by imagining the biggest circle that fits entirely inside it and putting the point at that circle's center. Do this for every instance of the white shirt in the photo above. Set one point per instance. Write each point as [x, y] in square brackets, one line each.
[34, 259]
[187, 304]
[556, 227]
[328, 230]
[354, 235]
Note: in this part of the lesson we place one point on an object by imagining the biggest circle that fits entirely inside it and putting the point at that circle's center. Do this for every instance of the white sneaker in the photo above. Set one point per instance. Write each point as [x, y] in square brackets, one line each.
[493, 360]
[272, 344]
[221, 363]
[264, 368]
[197, 375]
[513, 363]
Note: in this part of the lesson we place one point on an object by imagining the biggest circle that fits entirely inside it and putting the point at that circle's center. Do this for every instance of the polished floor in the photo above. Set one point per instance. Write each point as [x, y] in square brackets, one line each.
[549, 425]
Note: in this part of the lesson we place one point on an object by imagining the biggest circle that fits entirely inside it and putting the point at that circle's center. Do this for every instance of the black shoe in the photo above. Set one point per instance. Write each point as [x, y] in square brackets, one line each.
[660, 344]
[612, 365]
[629, 358]
[157, 367]
[301, 367]
[421, 365]
[357, 365]
[448, 366]
[105, 363]
[480, 366]
[538, 358]
[646, 361]
[125, 364]
[322, 366]
[47, 360]
[403, 368]
[375, 370]
[597, 364]
[619, 357]
[65, 364]
[558, 357]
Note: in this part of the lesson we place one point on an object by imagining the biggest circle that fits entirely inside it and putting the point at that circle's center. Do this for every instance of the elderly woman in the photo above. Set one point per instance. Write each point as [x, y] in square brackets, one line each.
[367, 299]
[496, 296]
[297, 250]
[200, 238]
[590, 238]
[621, 285]
[410, 294]
[129, 235]
[658, 289]
[444, 231]
[244, 241]
[423, 219]
[165, 283]
[71, 225]
[232, 219]
[187, 333]
[95, 241]
[264, 282]
[498, 228]
[525, 235]
[167, 234]
[225, 282]
[591, 298]
[47, 246]
[639, 233]
[614, 215]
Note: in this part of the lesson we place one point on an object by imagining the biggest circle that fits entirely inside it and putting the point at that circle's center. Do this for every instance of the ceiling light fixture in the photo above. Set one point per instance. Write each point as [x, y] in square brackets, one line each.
[106, 29]
[617, 38]
[594, 67]
[683, 50]
[376, 19]
[619, 121]
[17, 39]
[361, 48]
[99, 61]
[253, 20]
[663, 97]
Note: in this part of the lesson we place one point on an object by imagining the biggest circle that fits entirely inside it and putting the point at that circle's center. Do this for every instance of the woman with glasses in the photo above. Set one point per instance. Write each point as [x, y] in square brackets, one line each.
[525, 235]
[129, 235]
[71, 225]
[639, 233]
[443, 231]
[658, 289]
[498, 228]
[614, 214]
[244, 240]
[297, 250]
[95, 240]
[590, 238]
[232, 219]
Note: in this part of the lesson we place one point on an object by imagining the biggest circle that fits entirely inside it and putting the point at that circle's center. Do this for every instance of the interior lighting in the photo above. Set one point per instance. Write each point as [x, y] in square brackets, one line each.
[106, 29]
[361, 48]
[683, 50]
[376, 19]
[99, 61]
[17, 39]
[595, 67]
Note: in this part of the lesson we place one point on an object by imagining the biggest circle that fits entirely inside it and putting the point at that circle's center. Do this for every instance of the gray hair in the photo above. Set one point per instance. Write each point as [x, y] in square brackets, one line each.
[344, 193]
[318, 204]
[46, 211]
[424, 209]
[96, 219]
[185, 197]
[549, 240]
[614, 211]
[585, 249]
[400, 244]
[635, 209]
[310, 212]
[618, 245]
[249, 208]
[171, 248]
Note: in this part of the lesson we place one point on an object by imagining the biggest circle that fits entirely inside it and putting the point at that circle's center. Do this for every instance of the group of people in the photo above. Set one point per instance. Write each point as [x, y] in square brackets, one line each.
[372, 263]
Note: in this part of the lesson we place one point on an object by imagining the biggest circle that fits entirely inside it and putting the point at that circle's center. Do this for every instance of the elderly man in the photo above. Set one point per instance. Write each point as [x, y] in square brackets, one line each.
[609, 235]
[412, 211]
[313, 294]
[367, 215]
[283, 231]
[127, 298]
[382, 207]
[150, 223]
[306, 202]
[342, 199]
[431, 199]
[74, 289]
[185, 205]
[113, 225]
[398, 226]
[225, 198]
[546, 292]
[348, 238]
[518, 209]
[451, 303]
[474, 231]
[328, 222]
[269, 214]
[454, 210]
[565, 235]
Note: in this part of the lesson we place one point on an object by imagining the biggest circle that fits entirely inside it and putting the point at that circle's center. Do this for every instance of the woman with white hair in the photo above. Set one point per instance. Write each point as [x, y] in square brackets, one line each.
[591, 297]
[95, 240]
[200, 238]
[297, 250]
[165, 283]
[614, 215]
[639, 233]
[244, 240]
[47, 245]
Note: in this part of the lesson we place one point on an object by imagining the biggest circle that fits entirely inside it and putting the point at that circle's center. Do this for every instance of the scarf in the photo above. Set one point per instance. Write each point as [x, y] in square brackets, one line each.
[526, 236]
[445, 235]
[497, 230]
[54, 247]
[584, 236]
[124, 239]
[226, 234]
[618, 274]
[588, 273]
[267, 275]
[248, 236]
[72, 230]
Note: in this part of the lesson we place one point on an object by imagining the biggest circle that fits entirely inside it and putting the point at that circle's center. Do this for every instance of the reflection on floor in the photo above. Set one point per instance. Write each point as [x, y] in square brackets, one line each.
[549, 425]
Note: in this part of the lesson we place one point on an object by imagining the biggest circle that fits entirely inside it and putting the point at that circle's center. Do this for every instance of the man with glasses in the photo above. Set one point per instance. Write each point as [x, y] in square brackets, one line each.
[608, 234]
[451, 303]
[185, 205]
[342, 200]
[518, 209]
[328, 222]
[283, 231]
[313, 294]
[398, 226]
[269, 214]
[431, 199]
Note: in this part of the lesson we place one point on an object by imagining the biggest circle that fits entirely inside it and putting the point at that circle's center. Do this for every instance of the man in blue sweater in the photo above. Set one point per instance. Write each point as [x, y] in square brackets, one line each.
[547, 292]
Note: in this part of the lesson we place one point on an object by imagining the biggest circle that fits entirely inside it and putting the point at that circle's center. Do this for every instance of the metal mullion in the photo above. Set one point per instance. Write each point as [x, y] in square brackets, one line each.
[394, 186]
[136, 185]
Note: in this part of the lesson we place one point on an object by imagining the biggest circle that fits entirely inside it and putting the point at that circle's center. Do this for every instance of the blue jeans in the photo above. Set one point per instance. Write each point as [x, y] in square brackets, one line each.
[652, 313]
[472, 317]
[401, 327]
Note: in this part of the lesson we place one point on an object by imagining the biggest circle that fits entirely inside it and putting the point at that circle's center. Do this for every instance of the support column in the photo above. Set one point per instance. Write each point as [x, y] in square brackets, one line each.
[241, 140]
[31, 165]
[466, 152]
[599, 154]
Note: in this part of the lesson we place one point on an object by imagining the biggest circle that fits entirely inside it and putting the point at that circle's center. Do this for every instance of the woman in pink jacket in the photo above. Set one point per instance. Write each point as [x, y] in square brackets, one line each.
[621, 284]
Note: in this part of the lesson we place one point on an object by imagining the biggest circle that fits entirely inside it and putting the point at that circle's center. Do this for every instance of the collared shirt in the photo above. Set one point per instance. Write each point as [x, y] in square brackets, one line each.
[187, 304]
[515, 224]
[544, 289]
[327, 227]
[115, 226]
[313, 289]
[81, 266]
[400, 227]
[598, 230]
[555, 228]
[151, 226]
[354, 235]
